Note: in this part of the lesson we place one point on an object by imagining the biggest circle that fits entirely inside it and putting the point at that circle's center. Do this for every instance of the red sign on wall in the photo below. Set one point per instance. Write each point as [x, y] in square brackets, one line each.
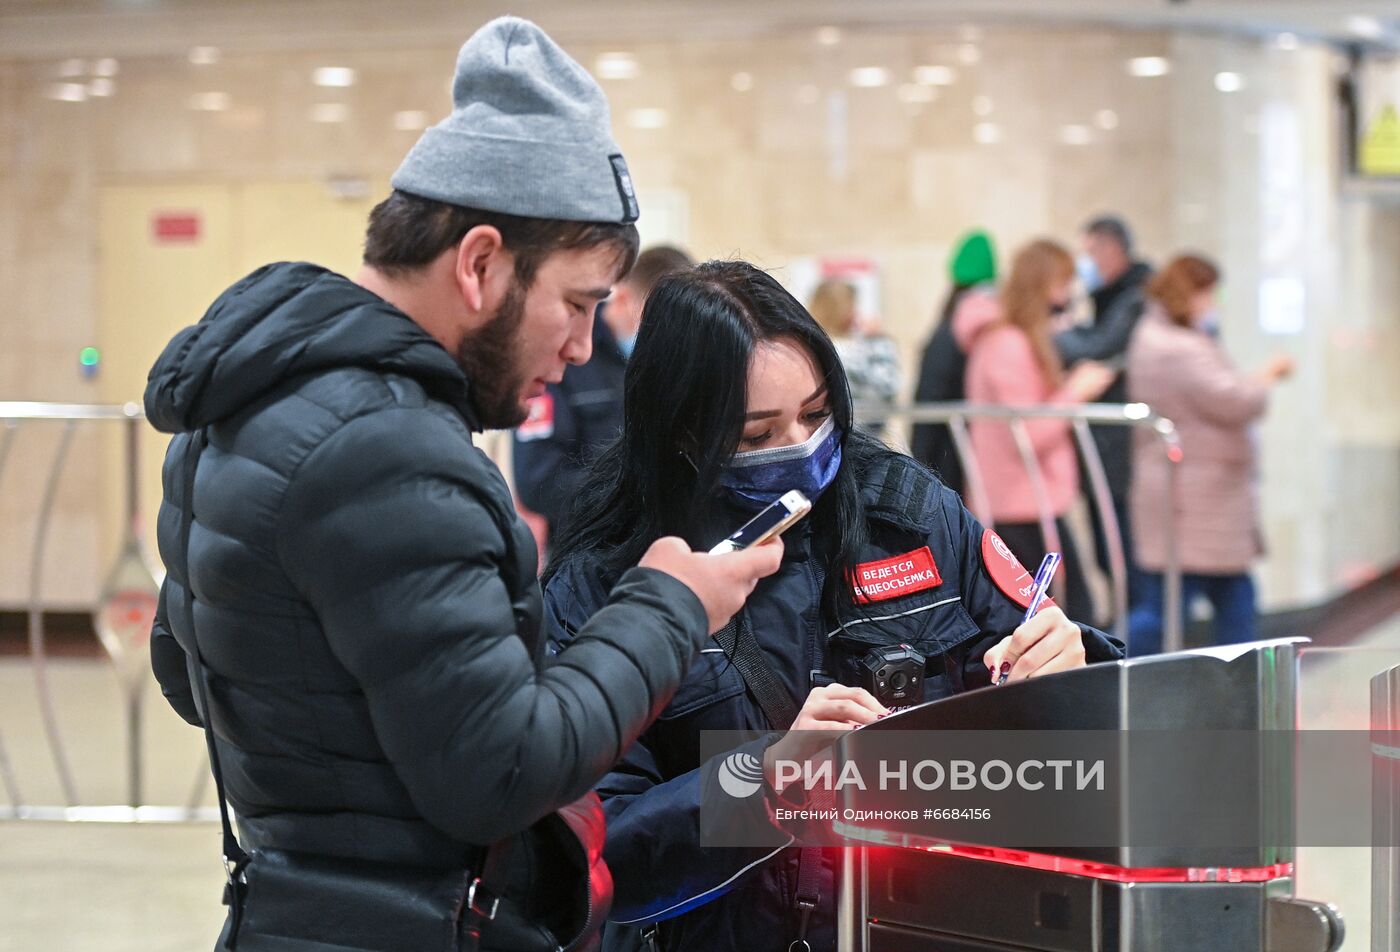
[175, 227]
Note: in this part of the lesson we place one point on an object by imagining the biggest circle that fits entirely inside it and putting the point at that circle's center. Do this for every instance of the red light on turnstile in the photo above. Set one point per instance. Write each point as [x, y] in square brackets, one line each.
[1119, 874]
[878, 841]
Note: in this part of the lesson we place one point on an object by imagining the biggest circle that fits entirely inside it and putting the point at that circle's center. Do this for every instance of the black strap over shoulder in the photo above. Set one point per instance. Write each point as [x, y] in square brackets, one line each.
[780, 710]
[737, 640]
[235, 858]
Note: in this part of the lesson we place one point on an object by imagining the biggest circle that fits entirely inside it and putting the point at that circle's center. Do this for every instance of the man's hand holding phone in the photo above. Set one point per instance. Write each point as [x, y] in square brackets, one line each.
[724, 577]
[721, 582]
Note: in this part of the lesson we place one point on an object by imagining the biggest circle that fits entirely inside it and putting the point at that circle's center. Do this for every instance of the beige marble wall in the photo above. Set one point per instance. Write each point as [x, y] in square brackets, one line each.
[764, 148]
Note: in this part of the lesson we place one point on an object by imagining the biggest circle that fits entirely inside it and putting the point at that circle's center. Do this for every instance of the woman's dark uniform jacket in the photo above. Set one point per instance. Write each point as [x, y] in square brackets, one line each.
[740, 898]
[366, 596]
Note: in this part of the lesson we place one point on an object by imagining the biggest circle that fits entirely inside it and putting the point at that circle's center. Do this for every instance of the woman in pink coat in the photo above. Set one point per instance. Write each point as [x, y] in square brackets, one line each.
[1012, 361]
[1176, 366]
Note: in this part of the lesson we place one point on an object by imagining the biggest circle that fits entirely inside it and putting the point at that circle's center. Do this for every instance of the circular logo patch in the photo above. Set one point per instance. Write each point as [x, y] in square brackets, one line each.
[1007, 571]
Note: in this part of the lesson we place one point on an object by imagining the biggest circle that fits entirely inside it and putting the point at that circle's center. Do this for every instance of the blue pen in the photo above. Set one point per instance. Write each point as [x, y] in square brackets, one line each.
[1041, 587]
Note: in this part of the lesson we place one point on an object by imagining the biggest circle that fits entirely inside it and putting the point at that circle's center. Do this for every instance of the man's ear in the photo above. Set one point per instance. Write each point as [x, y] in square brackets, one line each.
[481, 256]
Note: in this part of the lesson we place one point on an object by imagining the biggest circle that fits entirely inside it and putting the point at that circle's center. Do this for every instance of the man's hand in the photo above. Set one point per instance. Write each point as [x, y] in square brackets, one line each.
[827, 712]
[1047, 643]
[721, 582]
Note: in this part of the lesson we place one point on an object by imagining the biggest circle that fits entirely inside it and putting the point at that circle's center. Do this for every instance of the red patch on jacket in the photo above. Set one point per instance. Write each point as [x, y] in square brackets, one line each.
[540, 423]
[895, 577]
[1008, 573]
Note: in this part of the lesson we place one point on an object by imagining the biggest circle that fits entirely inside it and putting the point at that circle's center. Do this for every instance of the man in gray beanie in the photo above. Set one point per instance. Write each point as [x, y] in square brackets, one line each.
[351, 610]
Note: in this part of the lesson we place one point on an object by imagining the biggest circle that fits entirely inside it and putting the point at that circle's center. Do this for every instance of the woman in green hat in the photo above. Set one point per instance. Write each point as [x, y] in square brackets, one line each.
[972, 264]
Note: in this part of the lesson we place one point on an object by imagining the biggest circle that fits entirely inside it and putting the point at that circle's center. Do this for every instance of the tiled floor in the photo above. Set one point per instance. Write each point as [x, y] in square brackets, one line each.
[156, 887]
[82, 887]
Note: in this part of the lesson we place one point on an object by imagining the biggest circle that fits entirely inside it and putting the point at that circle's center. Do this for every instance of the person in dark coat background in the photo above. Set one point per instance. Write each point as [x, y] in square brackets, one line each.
[348, 581]
[1116, 284]
[576, 417]
[941, 370]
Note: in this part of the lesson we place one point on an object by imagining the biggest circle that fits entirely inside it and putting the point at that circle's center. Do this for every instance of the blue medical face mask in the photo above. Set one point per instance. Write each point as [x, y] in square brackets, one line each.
[626, 345]
[760, 477]
[1088, 273]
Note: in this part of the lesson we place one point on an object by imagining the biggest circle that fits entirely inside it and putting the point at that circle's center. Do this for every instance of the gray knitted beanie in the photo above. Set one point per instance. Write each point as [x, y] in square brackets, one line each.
[530, 134]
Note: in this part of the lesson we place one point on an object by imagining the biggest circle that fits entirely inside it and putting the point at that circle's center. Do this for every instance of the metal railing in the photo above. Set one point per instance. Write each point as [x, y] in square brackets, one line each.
[131, 586]
[956, 415]
[122, 613]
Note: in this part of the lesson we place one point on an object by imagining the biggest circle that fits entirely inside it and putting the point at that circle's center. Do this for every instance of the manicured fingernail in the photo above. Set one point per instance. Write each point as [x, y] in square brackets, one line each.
[1005, 667]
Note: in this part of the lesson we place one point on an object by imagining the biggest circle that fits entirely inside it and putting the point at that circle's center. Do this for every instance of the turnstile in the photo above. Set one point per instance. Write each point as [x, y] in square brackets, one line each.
[1133, 896]
[1385, 813]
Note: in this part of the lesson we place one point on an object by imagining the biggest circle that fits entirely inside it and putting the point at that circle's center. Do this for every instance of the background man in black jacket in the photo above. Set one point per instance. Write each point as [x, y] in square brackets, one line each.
[1115, 281]
[575, 418]
[347, 573]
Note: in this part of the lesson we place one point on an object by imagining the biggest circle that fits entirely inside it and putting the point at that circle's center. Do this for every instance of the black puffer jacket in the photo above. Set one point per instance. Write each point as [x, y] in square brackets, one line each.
[365, 596]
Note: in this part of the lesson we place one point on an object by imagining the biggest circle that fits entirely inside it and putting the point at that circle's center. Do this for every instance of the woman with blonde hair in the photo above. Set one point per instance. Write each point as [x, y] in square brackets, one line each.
[869, 358]
[1176, 366]
[1012, 361]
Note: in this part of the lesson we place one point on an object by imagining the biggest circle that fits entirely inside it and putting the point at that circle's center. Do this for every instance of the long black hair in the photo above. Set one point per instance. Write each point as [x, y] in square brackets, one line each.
[684, 400]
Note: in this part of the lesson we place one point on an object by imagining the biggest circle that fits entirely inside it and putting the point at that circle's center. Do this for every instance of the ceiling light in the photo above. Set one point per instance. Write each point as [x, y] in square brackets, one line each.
[1229, 82]
[1286, 41]
[1075, 135]
[1106, 119]
[330, 112]
[617, 66]
[101, 87]
[1147, 66]
[1368, 28]
[339, 76]
[204, 55]
[828, 36]
[105, 67]
[68, 92]
[741, 82]
[410, 120]
[969, 54]
[648, 118]
[969, 33]
[913, 92]
[986, 133]
[72, 68]
[935, 75]
[869, 77]
[209, 102]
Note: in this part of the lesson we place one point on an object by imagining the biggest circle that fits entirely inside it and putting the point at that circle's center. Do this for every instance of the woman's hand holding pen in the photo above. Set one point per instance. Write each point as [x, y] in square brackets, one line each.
[1049, 642]
[827, 713]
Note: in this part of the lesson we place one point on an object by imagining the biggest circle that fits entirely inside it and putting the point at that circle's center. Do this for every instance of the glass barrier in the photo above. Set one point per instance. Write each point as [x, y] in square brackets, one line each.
[1335, 692]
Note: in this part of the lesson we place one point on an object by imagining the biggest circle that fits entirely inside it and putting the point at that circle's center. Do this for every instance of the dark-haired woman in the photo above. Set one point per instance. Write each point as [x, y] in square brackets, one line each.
[733, 396]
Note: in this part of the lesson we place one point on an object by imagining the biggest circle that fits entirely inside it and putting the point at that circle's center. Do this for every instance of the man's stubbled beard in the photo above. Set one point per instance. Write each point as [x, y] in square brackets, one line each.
[490, 357]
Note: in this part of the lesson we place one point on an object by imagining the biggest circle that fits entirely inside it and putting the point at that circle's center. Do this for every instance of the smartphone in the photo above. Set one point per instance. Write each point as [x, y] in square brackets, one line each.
[768, 523]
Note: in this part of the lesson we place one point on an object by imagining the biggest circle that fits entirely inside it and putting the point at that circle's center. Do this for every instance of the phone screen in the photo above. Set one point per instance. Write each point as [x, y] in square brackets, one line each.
[777, 517]
[755, 528]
